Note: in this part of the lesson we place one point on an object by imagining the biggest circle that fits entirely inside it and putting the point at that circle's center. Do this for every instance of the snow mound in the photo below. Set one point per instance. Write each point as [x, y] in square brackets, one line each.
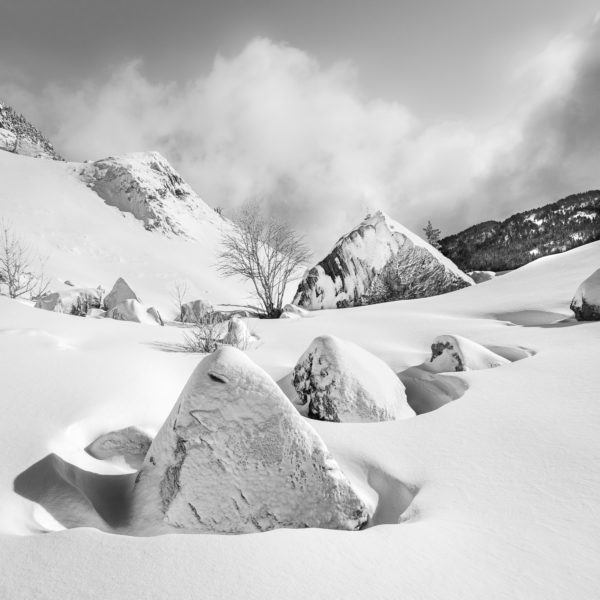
[147, 186]
[132, 310]
[234, 456]
[586, 302]
[194, 311]
[120, 292]
[72, 301]
[481, 276]
[291, 311]
[378, 261]
[340, 381]
[130, 443]
[456, 353]
[238, 334]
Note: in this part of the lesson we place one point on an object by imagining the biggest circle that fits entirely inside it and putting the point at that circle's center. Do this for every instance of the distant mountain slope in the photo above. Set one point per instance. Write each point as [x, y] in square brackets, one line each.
[19, 136]
[147, 186]
[551, 229]
[89, 242]
[378, 261]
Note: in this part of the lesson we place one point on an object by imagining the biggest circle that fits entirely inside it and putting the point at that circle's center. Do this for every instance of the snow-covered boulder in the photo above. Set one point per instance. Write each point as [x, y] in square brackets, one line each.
[120, 292]
[234, 456]
[194, 311]
[147, 186]
[340, 381]
[72, 301]
[134, 311]
[456, 353]
[586, 302]
[378, 261]
[481, 276]
[238, 334]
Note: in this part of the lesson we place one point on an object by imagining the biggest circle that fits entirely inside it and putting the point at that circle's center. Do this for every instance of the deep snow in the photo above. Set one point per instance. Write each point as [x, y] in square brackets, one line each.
[497, 491]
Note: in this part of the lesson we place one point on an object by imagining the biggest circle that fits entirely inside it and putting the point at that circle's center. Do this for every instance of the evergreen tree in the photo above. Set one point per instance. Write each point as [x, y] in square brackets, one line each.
[432, 235]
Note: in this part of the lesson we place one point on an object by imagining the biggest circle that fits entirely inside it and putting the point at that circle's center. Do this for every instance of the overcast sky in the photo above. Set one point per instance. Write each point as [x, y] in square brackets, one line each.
[450, 111]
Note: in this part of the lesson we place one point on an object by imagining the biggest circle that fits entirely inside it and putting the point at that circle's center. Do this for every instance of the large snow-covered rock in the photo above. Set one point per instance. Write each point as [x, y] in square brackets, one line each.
[72, 301]
[193, 311]
[586, 302]
[456, 353]
[120, 292]
[340, 381]
[147, 186]
[234, 456]
[134, 311]
[238, 334]
[379, 261]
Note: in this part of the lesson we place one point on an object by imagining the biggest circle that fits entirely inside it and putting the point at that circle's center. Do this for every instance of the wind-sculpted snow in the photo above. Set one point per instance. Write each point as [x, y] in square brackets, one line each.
[134, 311]
[457, 353]
[586, 302]
[340, 381]
[148, 187]
[379, 261]
[234, 456]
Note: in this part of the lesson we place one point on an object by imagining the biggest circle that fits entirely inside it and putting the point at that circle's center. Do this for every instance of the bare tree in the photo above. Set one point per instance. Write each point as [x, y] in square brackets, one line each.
[265, 251]
[179, 293]
[17, 266]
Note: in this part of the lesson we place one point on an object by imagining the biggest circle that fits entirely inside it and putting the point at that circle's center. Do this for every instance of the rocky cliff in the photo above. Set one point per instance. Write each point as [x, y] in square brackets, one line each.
[378, 261]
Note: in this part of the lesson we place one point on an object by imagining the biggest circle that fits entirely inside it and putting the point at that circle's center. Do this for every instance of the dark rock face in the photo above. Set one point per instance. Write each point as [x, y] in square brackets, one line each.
[379, 261]
[586, 302]
[19, 136]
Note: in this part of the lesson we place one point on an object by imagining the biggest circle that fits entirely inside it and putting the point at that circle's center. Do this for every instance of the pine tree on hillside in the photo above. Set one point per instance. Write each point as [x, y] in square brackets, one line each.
[432, 235]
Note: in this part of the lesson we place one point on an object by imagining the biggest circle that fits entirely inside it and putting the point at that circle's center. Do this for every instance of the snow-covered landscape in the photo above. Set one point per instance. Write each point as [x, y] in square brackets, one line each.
[199, 404]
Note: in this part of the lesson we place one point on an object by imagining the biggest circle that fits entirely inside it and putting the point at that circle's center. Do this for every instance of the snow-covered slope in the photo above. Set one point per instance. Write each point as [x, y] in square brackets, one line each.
[91, 243]
[494, 495]
[147, 186]
[378, 261]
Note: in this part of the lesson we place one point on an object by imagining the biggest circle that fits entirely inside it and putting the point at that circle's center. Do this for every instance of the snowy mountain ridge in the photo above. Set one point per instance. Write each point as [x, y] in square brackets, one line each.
[147, 186]
[19, 136]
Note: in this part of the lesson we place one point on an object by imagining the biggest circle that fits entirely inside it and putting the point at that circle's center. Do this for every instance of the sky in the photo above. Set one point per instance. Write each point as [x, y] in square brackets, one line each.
[454, 112]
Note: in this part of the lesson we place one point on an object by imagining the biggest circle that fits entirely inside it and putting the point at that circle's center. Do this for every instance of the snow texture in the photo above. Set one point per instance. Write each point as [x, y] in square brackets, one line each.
[120, 292]
[234, 456]
[340, 381]
[586, 302]
[379, 261]
[456, 353]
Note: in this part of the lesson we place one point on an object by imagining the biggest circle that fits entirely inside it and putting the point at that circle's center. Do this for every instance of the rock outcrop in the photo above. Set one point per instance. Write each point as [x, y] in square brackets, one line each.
[456, 353]
[586, 302]
[120, 292]
[379, 261]
[340, 381]
[73, 301]
[134, 311]
[481, 276]
[19, 136]
[148, 187]
[234, 456]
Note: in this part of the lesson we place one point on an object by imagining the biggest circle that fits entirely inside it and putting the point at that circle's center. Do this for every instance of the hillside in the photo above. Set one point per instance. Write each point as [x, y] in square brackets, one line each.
[523, 237]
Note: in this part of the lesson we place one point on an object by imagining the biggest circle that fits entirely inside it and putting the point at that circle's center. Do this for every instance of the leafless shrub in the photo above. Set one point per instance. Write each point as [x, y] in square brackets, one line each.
[265, 251]
[205, 334]
[17, 266]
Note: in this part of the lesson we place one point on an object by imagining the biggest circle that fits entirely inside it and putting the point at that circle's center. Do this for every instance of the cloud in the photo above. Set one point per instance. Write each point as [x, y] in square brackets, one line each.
[273, 123]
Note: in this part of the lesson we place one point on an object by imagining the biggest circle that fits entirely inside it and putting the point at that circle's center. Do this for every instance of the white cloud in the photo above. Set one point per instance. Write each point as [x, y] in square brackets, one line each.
[273, 123]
